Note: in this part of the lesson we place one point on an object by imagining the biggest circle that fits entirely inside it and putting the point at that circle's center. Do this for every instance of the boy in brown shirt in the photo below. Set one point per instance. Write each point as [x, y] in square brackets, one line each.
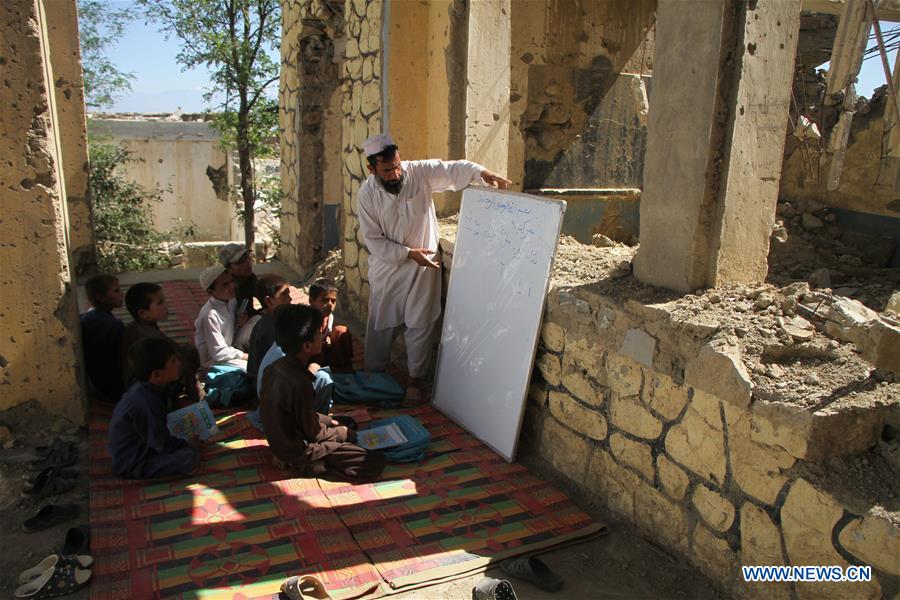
[300, 438]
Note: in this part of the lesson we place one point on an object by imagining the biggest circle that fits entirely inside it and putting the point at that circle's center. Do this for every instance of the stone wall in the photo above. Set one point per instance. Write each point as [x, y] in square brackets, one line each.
[39, 348]
[362, 117]
[311, 30]
[648, 405]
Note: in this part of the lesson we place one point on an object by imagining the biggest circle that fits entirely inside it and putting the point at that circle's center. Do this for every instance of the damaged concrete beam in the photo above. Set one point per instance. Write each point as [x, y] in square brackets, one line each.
[886, 10]
[849, 47]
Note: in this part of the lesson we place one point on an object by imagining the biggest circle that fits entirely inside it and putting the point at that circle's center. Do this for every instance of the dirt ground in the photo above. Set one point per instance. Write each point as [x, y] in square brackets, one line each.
[619, 565]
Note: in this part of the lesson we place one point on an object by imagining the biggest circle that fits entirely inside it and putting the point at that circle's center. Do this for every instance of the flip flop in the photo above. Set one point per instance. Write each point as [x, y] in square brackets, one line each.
[493, 589]
[61, 456]
[52, 472]
[533, 570]
[78, 561]
[305, 586]
[78, 541]
[51, 515]
[58, 580]
[48, 484]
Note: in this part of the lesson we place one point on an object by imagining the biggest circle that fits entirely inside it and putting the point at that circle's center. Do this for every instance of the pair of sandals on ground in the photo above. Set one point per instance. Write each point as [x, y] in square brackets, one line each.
[531, 569]
[53, 477]
[59, 574]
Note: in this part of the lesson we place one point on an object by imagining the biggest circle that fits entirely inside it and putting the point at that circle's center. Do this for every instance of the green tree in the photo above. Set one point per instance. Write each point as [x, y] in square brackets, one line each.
[232, 39]
[99, 27]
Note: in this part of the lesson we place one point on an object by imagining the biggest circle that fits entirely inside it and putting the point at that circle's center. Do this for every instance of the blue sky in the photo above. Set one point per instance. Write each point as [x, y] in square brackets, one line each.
[160, 85]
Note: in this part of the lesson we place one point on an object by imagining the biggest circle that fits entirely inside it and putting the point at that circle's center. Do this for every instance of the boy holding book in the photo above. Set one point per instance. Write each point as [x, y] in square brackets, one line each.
[140, 443]
[300, 438]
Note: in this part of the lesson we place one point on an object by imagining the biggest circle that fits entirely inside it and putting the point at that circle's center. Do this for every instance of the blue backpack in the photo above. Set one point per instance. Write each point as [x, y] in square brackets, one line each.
[417, 439]
[222, 382]
[365, 388]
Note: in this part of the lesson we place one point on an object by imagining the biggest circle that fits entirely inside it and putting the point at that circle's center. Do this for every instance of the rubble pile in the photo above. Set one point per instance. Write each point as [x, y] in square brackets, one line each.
[808, 245]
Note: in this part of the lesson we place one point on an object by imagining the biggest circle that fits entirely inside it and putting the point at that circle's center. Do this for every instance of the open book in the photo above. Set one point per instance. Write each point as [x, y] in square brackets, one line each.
[192, 421]
[378, 438]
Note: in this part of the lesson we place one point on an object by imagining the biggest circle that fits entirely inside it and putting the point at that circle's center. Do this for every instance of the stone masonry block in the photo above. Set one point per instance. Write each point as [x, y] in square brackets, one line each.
[665, 397]
[549, 367]
[612, 484]
[757, 468]
[639, 346]
[760, 545]
[632, 453]
[565, 450]
[628, 414]
[537, 395]
[674, 480]
[579, 418]
[659, 517]
[581, 354]
[808, 517]
[698, 446]
[875, 540]
[582, 388]
[625, 376]
[553, 336]
[720, 371]
[713, 555]
[716, 511]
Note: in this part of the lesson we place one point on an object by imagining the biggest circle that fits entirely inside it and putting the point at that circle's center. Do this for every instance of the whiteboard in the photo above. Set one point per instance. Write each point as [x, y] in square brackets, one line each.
[498, 283]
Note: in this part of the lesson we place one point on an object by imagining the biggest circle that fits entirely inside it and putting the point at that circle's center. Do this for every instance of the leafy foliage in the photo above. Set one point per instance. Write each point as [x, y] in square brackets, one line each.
[100, 26]
[232, 39]
[123, 218]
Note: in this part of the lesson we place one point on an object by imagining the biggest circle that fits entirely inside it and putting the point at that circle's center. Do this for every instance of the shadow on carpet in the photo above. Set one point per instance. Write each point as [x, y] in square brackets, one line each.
[240, 526]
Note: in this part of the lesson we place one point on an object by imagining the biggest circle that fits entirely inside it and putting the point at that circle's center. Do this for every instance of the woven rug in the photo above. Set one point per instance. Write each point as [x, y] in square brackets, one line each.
[240, 526]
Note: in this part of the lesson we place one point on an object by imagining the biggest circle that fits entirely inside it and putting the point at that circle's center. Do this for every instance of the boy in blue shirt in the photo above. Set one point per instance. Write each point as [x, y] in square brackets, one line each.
[101, 335]
[140, 443]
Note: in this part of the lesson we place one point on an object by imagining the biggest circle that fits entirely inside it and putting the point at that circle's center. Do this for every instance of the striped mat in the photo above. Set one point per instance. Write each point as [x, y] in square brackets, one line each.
[241, 526]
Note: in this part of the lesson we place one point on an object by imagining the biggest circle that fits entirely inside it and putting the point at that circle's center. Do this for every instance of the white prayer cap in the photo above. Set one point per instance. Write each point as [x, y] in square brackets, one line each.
[210, 274]
[377, 143]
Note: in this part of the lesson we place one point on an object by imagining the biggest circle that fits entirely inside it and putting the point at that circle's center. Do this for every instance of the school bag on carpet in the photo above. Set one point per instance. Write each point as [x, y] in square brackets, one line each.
[417, 439]
[226, 385]
[364, 387]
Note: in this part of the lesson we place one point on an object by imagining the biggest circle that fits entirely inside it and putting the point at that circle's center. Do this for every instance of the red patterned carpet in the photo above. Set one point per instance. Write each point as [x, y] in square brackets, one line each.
[241, 526]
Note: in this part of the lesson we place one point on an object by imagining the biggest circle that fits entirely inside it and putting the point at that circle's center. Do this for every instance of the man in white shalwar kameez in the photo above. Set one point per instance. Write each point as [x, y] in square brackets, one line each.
[398, 223]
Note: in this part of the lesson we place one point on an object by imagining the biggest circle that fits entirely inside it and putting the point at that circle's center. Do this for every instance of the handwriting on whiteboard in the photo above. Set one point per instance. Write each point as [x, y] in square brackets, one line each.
[513, 238]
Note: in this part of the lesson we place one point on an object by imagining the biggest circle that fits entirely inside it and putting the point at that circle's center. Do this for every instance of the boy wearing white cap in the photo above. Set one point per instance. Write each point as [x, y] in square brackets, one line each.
[398, 223]
[215, 325]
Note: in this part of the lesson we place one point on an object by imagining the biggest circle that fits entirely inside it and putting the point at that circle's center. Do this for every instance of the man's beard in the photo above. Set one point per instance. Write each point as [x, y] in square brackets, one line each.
[392, 187]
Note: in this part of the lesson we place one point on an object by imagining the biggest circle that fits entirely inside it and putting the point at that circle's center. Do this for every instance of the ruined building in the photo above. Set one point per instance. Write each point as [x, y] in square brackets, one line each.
[701, 385]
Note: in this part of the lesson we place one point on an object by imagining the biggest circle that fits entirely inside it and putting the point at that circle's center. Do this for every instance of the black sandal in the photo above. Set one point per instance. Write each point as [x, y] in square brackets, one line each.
[51, 515]
[48, 484]
[78, 541]
[61, 456]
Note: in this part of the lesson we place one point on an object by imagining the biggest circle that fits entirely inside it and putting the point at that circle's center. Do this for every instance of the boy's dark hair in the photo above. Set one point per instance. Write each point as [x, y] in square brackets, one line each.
[320, 287]
[295, 325]
[267, 286]
[98, 285]
[386, 154]
[138, 297]
[148, 355]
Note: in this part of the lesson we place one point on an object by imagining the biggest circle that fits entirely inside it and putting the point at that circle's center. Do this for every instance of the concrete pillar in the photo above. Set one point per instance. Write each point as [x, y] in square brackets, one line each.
[65, 57]
[718, 112]
[487, 94]
[39, 350]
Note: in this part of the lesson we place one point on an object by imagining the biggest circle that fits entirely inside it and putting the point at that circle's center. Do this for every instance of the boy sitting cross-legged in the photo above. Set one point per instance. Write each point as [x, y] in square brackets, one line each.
[216, 324]
[101, 334]
[146, 303]
[337, 347]
[310, 442]
[139, 441]
[272, 291]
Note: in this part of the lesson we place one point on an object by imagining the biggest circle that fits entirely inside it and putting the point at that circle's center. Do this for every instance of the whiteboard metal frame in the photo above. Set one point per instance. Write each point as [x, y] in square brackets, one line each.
[561, 205]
